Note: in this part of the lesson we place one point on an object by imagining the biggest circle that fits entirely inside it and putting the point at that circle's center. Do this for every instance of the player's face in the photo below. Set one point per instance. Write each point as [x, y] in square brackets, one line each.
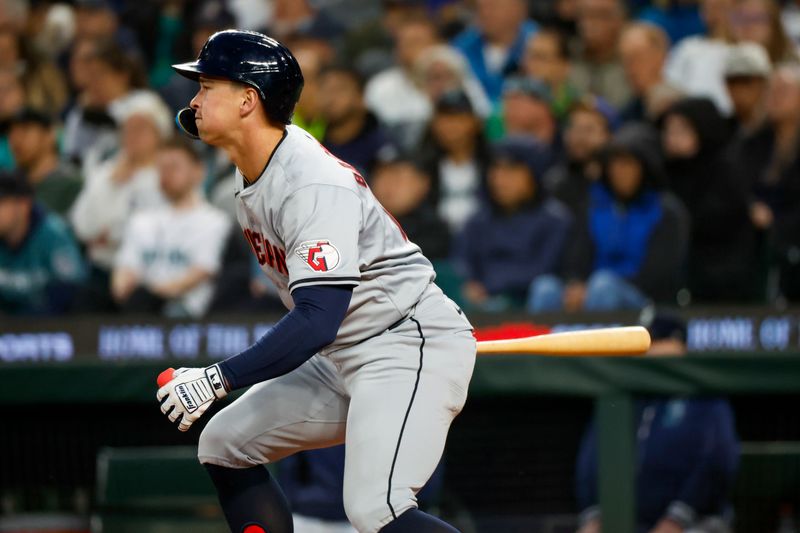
[217, 108]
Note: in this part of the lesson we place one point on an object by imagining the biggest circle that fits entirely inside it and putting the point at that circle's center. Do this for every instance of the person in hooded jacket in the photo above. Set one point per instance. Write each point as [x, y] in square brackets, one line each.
[519, 233]
[630, 247]
[722, 249]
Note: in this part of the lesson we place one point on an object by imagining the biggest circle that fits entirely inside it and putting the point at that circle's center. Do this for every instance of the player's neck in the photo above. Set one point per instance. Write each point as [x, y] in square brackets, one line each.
[253, 151]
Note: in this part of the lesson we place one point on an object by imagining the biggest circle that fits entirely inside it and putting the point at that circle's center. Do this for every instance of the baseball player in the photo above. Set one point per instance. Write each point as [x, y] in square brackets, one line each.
[371, 353]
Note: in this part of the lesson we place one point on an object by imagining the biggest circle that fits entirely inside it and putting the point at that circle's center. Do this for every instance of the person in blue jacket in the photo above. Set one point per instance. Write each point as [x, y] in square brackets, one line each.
[687, 456]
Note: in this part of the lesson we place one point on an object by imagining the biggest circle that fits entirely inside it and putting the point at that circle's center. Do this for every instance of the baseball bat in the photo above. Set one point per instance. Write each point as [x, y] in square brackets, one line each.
[627, 341]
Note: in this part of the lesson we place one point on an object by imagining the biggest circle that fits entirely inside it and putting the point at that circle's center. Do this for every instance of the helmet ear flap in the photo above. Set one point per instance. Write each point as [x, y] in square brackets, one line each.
[185, 121]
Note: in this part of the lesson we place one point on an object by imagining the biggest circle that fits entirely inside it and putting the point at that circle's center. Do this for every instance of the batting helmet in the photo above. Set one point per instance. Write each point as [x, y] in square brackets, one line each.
[251, 58]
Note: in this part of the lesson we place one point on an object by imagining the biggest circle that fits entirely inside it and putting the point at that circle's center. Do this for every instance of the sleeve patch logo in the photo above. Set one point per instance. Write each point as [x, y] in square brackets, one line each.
[320, 256]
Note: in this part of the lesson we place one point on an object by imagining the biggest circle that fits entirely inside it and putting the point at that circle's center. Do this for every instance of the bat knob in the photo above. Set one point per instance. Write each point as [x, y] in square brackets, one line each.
[165, 377]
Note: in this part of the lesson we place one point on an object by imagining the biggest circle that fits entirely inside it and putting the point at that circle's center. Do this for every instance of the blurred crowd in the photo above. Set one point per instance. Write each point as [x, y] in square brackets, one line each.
[545, 154]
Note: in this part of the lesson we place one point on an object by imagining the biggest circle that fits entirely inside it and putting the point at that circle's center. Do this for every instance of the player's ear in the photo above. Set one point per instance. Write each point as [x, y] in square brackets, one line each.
[249, 101]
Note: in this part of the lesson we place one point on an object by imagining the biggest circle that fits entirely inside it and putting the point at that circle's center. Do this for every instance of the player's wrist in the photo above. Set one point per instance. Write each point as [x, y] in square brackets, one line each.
[219, 383]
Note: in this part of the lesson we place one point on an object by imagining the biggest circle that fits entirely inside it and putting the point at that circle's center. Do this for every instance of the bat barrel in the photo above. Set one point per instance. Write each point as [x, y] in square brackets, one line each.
[623, 341]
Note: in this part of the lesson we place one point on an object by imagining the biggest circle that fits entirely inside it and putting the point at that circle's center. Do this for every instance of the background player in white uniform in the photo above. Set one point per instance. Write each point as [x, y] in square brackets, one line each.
[371, 353]
[172, 253]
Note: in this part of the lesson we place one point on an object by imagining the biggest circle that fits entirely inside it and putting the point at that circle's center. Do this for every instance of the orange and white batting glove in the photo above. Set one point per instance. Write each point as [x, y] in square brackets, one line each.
[185, 394]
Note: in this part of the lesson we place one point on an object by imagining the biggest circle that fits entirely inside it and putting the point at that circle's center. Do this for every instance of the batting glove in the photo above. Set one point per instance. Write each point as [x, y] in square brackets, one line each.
[186, 393]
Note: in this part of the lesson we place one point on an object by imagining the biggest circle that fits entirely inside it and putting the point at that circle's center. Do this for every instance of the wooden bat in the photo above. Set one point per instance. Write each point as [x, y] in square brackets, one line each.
[621, 342]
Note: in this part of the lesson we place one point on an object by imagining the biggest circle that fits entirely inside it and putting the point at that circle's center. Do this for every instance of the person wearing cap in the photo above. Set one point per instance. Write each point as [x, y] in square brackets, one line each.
[747, 69]
[528, 111]
[120, 186]
[494, 46]
[630, 244]
[588, 129]
[687, 450]
[455, 155]
[40, 264]
[33, 143]
[517, 235]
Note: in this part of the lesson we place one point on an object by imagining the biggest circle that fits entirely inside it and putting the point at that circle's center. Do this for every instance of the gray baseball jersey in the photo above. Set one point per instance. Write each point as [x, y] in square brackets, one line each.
[311, 220]
[399, 370]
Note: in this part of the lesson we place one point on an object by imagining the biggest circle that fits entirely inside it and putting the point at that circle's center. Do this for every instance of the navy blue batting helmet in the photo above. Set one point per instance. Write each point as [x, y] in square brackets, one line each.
[251, 58]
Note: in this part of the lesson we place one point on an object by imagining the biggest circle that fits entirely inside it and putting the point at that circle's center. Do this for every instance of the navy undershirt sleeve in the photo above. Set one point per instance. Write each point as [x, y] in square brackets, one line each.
[318, 312]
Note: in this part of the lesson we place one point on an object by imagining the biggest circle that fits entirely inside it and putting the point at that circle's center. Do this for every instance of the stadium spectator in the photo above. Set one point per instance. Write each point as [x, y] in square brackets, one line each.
[353, 133]
[98, 20]
[527, 110]
[696, 64]
[292, 17]
[107, 74]
[441, 69]
[40, 264]
[518, 235]
[547, 59]
[369, 47]
[770, 159]
[12, 101]
[403, 187]
[630, 246]
[722, 247]
[596, 68]
[759, 21]
[119, 187]
[394, 94]
[678, 18]
[588, 129]
[45, 86]
[495, 44]
[747, 70]
[168, 257]
[455, 153]
[688, 455]
[307, 112]
[643, 50]
[33, 143]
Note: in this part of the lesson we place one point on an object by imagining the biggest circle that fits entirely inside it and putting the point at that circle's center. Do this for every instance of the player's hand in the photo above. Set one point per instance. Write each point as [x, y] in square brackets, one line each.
[667, 526]
[185, 394]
